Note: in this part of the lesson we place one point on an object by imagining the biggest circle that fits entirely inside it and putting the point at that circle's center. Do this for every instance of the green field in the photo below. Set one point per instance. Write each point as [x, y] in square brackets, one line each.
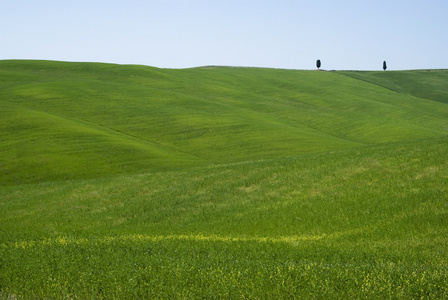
[121, 181]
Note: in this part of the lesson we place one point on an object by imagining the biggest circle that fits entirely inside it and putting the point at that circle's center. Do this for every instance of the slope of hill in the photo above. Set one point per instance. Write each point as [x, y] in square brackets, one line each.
[426, 84]
[121, 182]
[83, 120]
[367, 222]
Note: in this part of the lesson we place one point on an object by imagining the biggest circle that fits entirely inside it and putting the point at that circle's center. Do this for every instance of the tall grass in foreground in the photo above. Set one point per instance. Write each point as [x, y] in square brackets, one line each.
[367, 222]
[140, 267]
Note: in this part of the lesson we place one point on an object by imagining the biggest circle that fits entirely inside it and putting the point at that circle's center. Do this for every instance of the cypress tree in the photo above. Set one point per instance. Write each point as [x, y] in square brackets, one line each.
[318, 63]
[384, 66]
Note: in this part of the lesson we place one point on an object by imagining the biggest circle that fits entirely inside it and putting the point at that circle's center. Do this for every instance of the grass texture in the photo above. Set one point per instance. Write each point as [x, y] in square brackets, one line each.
[121, 182]
[80, 120]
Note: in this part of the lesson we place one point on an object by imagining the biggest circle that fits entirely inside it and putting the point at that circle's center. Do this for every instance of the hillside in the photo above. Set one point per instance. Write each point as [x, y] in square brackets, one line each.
[426, 84]
[64, 120]
[132, 182]
[366, 222]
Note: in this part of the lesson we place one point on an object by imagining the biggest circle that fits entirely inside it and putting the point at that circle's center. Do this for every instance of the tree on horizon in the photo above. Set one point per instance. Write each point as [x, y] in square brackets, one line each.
[318, 63]
[384, 66]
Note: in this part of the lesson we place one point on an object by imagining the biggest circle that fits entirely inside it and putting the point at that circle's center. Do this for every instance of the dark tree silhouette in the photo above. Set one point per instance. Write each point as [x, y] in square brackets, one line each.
[318, 63]
[384, 66]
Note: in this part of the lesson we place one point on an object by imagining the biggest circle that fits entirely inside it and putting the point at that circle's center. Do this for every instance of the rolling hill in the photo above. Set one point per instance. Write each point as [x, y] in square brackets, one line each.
[133, 182]
[83, 120]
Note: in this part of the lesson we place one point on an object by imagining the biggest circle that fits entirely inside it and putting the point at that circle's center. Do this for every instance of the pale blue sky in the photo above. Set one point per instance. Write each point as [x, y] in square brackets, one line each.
[343, 34]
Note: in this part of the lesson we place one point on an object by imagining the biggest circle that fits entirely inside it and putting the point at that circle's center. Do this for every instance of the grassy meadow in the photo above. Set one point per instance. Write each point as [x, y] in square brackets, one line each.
[120, 181]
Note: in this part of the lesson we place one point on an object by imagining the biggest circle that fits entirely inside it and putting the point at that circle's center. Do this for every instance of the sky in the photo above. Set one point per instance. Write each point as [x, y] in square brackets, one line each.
[291, 34]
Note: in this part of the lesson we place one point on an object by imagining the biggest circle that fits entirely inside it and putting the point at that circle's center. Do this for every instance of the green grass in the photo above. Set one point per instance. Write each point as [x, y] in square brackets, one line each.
[113, 119]
[426, 84]
[125, 182]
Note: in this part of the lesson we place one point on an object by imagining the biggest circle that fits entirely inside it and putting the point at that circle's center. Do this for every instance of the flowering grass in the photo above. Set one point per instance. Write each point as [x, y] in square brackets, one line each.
[368, 222]
[138, 266]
